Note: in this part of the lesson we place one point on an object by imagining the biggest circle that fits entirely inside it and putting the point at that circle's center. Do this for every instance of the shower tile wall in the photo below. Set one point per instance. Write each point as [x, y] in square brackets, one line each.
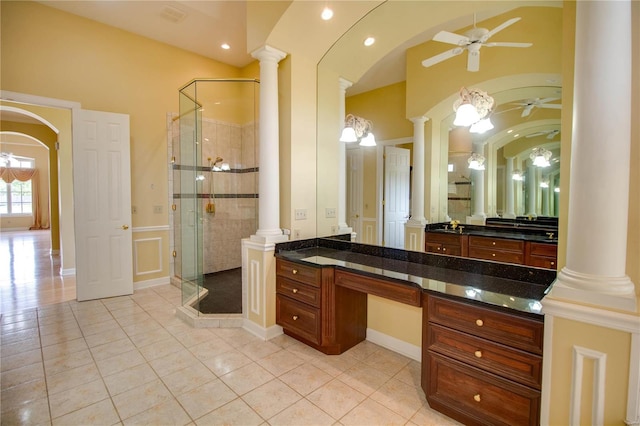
[234, 192]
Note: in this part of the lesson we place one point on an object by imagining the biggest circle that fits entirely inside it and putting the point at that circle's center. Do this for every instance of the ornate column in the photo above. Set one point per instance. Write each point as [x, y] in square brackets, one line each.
[595, 270]
[343, 227]
[414, 228]
[478, 187]
[508, 183]
[531, 183]
[269, 177]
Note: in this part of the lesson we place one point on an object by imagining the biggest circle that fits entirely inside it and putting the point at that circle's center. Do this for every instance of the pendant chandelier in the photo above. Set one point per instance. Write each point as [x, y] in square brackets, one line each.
[358, 129]
[473, 108]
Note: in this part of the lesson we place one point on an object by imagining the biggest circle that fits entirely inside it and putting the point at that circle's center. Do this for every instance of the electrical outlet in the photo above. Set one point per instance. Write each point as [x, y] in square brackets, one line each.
[157, 209]
[296, 234]
[134, 209]
[301, 214]
[330, 212]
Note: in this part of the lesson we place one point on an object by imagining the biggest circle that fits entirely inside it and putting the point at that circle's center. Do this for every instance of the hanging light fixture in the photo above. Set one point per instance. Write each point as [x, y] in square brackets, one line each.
[517, 175]
[540, 157]
[473, 108]
[358, 129]
[476, 161]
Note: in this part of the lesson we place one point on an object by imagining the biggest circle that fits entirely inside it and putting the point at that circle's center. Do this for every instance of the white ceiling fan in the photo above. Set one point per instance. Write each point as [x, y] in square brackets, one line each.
[550, 133]
[471, 41]
[528, 105]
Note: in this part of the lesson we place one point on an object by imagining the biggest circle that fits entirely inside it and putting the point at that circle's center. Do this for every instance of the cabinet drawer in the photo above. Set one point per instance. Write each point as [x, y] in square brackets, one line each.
[296, 290]
[476, 397]
[299, 318]
[443, 249]
[542, 262]
[541, 249]
[504, 361]
[442, 238]
[497, 255]
[511, 330]
[497, 243]
[295, 271]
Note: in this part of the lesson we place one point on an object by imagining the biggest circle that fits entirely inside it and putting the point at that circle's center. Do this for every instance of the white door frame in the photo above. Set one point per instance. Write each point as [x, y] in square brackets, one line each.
[380, 179]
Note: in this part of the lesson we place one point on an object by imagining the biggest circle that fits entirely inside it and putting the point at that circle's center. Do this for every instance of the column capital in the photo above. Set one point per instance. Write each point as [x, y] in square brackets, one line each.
[268, 53]
[344, 83]
[420, 119]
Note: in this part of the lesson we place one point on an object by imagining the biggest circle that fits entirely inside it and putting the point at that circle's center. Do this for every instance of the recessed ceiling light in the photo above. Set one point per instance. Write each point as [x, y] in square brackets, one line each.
[225, 46]
[516, 135]
[327, 13]
[510, 131]
[369, 41]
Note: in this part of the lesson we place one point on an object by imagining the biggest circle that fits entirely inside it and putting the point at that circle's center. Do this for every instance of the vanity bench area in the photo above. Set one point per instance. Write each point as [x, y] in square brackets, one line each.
[482, 327]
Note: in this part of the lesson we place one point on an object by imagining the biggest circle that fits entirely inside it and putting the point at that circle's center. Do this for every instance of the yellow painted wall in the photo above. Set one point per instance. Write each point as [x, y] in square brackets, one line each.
[395, 319]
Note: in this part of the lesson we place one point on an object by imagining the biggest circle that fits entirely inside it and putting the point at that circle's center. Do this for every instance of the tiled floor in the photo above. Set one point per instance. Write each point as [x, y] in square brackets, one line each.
[129, 360]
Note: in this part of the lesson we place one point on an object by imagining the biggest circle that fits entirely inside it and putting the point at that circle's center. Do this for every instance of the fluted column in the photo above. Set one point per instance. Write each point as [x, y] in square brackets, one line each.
[343, 227]
[595, 270]
[269, 176]
[417, 192]
[508, 183]
[532, 189]
[478, 187]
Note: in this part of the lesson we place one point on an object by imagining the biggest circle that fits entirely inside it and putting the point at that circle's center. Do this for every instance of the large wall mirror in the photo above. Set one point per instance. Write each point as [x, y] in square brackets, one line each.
[387, 84]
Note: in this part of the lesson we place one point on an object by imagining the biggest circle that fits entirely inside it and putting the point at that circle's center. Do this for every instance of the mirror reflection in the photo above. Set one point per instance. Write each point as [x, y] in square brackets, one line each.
[409, 179]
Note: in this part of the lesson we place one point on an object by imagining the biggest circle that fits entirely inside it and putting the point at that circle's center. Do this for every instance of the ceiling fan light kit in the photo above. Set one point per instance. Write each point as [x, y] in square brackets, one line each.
[471, 41]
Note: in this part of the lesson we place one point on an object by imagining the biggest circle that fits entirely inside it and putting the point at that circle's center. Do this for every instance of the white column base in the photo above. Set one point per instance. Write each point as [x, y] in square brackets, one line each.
[610, 292]
[343, 228]
[416, 223]
[269, 236]
[509, 216]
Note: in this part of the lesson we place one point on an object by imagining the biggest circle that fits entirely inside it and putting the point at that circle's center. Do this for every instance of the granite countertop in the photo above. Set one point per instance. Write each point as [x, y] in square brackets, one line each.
[512, 233]
[509, 286]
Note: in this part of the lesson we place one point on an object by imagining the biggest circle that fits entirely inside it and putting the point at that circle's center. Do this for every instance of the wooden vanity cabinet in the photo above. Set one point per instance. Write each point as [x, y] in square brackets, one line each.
[451, 244]
[481, 365]
[312, 309]
[497, 249]
[543, 255]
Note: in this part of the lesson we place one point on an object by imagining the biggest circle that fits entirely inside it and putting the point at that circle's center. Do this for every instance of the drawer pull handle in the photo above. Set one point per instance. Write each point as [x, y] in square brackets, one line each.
[494, 243]
[438, 248]
[478, 354]
[295, 318]
[479, 322]
[444, 249]
[295, 271]
[295, 290]
[476, 397]
[553, 263]
[493, 254]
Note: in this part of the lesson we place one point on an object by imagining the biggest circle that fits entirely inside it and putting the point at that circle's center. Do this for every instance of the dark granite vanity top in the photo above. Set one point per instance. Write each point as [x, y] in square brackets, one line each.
[514, 232]
[500, 284]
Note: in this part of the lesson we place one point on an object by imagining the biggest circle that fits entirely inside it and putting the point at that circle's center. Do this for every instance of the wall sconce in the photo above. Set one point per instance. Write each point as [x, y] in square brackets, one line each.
[357, 129]
[517, 175]
[544, 184]
[473, 108]
[476, 161]
[540, 157]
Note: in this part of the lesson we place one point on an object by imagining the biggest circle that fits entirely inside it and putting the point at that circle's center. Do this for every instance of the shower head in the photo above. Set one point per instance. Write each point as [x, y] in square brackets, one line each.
[214, 164]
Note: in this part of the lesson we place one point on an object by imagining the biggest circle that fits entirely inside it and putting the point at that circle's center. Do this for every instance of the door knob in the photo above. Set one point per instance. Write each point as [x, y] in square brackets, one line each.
[125, 227]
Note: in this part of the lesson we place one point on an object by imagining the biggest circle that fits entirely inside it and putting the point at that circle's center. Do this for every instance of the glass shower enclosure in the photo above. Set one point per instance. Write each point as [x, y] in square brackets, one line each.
[214, 187]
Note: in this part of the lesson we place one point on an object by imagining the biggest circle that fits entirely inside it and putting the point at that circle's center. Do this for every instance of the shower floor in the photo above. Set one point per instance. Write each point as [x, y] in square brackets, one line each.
[225, 293]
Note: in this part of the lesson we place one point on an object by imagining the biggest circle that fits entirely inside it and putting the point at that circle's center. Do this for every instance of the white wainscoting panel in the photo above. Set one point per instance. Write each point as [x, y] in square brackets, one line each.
[600, 368]
[137, 244]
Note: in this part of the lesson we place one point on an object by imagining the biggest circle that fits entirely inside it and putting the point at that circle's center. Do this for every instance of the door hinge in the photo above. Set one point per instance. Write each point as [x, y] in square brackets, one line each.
[173, 207]
[174, 253]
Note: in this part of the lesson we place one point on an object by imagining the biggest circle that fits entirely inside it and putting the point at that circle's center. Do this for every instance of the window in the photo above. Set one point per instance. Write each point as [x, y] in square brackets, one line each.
[16, 197]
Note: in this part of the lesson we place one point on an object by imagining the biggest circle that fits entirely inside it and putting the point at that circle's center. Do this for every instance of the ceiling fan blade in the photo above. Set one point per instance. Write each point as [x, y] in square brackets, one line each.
[451, 38]
[550, 106]
[473, 61]
[545, 100]
[553, 134]
[507, 44]
[527, 110]
[533, 135]
[500, 28]
[442, 57]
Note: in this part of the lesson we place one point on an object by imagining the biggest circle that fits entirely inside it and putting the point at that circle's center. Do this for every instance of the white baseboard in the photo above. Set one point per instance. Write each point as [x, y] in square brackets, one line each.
[139, 285]
[261, 332]
[396, 345]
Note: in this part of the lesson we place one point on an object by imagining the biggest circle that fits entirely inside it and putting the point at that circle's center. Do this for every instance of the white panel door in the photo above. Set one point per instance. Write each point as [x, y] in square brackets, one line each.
[354, 191]
[396, 195]
[102, 204]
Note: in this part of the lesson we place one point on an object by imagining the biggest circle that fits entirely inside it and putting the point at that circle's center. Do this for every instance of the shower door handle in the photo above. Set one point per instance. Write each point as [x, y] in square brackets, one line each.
[125, 227]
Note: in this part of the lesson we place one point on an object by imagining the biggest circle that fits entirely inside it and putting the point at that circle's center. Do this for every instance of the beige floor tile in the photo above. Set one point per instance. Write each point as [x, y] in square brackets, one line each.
[71, 378]
[76, 398]
[363, 350]
[70, 325]
[363, 379]
[173, 362]
[17, 324]
[206, 398]
[64, 348]
[120, 362]
[32, 413]
[19, 395]
[130, 378]
[194, 337]
[100, 413]
[20, 375]
[20, 335]
[371, 413]
[141, 398]
[271, 398]
[209, 349]
[66, 362]
[20, 347]
[304, 352]
[399, 397]
[106, 337]
[428, 417]
[305, 379]
[280, 362]
[237, 412]
[113, 348]
[226, 362]
[246, 378]
[188, 378]
[336, 398]
[236, 337]
[410, 374]
[20, 360]
[335, 364]
[100, 327]
[258, 350]
[387, 362]
[151, 336]
[302, 413]
[142, 327]
[65, 335]
[28, 315]
[161, 348]
[168, 412]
